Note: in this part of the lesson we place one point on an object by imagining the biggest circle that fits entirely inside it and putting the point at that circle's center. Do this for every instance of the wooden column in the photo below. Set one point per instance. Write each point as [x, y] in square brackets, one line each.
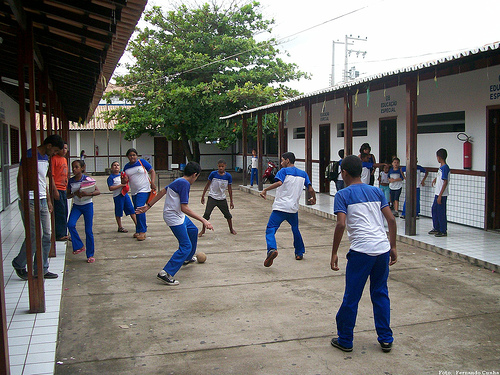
[244, 142]
[348, 124]
[4, 344]
[308, 144]
[411, 157]
[260, 149]
[281, 134]
[30, 168]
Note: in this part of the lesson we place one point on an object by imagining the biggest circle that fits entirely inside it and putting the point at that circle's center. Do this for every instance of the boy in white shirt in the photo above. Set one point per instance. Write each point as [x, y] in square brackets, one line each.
[218, 182]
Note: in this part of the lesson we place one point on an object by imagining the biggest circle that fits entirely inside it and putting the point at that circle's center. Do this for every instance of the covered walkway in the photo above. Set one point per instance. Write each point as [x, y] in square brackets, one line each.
[33, 337]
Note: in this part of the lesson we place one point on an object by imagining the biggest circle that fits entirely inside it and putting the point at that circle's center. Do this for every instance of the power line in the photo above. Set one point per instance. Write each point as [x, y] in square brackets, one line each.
[277, 42]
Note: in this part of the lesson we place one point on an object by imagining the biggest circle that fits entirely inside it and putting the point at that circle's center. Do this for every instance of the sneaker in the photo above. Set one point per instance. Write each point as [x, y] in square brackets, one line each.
[439, 234]
[335, 343]
[166, 278]
[402, 217]
[386, 346]
[50, 275]
[433, 231]
[396, 214]
[271, 254]
[418, 217]
[299, 257]
[21, 273]
[192, 260]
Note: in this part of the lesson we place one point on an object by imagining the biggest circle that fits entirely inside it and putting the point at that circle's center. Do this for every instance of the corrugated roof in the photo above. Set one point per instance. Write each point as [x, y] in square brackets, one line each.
[344, 85]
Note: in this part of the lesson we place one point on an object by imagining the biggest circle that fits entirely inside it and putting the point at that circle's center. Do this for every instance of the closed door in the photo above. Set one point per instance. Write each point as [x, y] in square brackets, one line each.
[493, 170]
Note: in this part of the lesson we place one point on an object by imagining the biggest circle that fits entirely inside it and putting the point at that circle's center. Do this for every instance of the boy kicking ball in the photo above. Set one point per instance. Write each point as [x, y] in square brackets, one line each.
[174, 213]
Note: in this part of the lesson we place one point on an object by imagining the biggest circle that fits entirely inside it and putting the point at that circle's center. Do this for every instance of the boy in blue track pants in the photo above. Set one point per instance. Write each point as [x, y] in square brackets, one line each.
[174, 213]
[362, 208]
[290, 181]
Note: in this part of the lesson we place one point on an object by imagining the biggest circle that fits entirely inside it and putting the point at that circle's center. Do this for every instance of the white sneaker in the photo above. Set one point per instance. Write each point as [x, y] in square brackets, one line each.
[166, 278]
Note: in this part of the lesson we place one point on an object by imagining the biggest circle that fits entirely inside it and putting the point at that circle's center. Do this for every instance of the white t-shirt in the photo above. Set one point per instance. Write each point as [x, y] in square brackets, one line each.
[288, 194]
[138, 177]
[442, 175]
[177, 194]
[113, 180]
[363, 206]
[255, 162]
[43, 168]
[219, 184]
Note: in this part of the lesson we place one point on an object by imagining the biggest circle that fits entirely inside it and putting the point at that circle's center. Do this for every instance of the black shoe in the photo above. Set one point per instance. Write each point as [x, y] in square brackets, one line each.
[21, 273]
[270, 257]
[439, 234]
[402, 217]
[192, 260]
[433, 231]
[335, 343]
[386, 346]
[166, 278]
[299, 257]
[50, 275]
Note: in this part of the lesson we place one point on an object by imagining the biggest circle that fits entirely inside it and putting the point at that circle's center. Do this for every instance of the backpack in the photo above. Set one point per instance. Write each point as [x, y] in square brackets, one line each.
[332, 171]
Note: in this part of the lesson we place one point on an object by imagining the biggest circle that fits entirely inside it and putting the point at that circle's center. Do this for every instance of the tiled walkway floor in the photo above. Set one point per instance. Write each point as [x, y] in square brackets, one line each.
[33, 337]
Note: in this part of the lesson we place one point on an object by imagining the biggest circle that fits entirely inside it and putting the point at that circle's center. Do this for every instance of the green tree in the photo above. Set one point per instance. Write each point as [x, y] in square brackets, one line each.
[195, 64]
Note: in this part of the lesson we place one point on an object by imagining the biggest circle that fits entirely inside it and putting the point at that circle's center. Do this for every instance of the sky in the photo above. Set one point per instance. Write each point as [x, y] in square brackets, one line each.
[394, 33]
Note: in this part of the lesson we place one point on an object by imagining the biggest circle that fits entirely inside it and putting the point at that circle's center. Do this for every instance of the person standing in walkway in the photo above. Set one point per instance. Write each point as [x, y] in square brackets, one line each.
[361, 209]
[175, 210]
[420, 182]
[254, 172]
[82, 188]
[366, 149]
[59, 166]
[396, 178]
[51, 145]
[141, 184]
[121, 198]
[218, 182]
[290, 181]
[441, 184]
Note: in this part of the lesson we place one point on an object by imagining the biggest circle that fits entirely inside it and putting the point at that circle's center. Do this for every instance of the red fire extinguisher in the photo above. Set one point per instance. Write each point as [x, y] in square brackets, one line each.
[467, 149]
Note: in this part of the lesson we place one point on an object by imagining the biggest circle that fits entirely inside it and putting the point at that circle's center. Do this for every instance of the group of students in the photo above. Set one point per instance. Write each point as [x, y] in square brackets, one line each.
[391, 179]
[360, 208]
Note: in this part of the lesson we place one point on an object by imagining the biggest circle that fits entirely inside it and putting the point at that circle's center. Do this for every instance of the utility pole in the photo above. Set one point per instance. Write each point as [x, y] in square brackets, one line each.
[347, 74]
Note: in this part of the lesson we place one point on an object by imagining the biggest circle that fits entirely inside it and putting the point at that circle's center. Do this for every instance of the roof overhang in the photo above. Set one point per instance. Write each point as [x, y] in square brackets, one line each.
[78, 44]
[460, 62]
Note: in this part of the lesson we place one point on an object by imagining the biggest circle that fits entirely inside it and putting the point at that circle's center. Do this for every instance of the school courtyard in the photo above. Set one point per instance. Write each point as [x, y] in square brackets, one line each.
[231, 315]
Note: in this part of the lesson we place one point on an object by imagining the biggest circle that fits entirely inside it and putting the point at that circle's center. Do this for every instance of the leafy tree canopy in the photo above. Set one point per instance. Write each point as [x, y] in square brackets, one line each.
[195, 64]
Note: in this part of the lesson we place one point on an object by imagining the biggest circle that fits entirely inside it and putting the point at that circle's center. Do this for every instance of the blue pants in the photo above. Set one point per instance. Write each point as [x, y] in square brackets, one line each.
[275, 220]
[140, 200]
[87, 210]
[387, 193]
[439, 219]
[418, 204]
[123, 204]
[254, 174]
[359, 267]
[339, 184]
[20, 260]
[61, 214]
[187, 235]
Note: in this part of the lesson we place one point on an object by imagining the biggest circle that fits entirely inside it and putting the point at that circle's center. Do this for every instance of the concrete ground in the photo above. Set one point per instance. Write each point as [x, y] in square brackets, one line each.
[231, 315]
